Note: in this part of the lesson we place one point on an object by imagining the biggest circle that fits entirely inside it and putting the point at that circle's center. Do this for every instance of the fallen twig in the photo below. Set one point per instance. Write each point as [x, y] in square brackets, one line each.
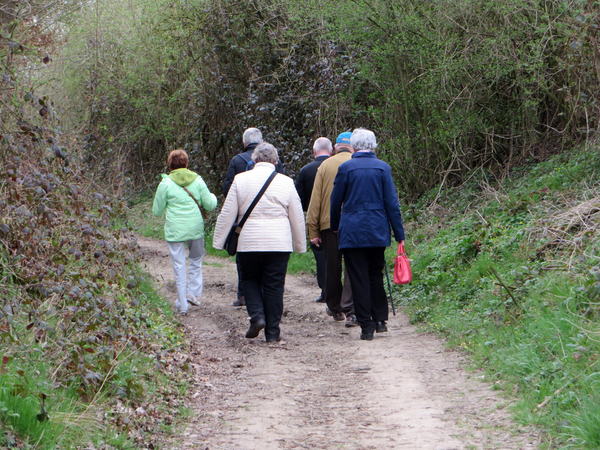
[505, 286]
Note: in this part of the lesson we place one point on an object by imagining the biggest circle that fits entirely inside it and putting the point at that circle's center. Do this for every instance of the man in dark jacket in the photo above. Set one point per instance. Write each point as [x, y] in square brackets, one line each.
[305, 181]
[365, 188]
[243, 160]
[240, 163]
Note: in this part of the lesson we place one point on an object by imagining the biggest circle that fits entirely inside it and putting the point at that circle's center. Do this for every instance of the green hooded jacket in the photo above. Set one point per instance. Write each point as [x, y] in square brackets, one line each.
[184, 220]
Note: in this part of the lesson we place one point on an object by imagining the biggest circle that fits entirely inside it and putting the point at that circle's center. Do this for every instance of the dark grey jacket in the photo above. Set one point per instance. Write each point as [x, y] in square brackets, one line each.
[238, 164]
[305, 180]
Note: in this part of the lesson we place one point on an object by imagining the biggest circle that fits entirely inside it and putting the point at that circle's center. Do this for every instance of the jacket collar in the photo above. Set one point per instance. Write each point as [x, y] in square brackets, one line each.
[266, 165]
[249, 148]
[364, 155]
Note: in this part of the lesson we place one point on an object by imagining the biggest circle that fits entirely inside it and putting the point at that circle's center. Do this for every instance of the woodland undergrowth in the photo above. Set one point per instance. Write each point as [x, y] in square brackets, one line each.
[90, 355]
[448, 86]
[85, 339]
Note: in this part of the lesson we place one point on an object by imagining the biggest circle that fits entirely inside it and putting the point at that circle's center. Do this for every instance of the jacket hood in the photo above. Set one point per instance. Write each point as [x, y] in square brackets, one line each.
[183, 177]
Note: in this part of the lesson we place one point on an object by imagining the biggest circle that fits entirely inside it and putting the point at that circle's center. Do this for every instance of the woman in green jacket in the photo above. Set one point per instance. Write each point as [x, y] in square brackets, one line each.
[181, 193]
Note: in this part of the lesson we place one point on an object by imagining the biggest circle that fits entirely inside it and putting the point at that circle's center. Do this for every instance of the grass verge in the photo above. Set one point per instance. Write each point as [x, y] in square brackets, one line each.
[509, 272]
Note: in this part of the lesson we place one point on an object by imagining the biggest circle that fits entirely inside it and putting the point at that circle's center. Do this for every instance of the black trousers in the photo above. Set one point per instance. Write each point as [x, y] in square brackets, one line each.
[240, 292]
[263, 279]
[320, 260]
[365, 269]
[338, 296]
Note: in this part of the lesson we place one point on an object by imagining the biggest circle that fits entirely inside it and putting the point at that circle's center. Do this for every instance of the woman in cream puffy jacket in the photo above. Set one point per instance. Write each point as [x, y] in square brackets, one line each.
[273, 230]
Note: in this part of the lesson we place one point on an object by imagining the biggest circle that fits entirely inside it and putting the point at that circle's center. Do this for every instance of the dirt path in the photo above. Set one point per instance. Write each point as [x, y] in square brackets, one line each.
[323, 388]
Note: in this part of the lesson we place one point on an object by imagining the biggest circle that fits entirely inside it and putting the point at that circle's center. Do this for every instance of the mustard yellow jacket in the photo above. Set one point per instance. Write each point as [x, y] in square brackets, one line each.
[317, 216]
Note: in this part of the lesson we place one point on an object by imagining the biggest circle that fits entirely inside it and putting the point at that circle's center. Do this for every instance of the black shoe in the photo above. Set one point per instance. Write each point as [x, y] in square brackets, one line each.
[255, 328]
[241, 301]
[337, 316]
[381, 327]
[273, 339]
[320, 299]
[366, 336]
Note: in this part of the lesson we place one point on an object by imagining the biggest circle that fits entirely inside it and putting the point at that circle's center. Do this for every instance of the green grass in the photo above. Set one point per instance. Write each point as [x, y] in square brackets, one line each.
[141, 219]
[21, 392]
[539, 337]
[302, 262]
[584, 427]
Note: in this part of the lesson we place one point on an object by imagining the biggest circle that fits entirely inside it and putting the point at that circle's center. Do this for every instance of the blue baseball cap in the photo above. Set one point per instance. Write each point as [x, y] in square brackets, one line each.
[344, 138]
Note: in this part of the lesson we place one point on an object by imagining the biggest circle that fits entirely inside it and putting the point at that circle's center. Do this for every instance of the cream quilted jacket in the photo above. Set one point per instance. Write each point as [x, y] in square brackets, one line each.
[277, 222]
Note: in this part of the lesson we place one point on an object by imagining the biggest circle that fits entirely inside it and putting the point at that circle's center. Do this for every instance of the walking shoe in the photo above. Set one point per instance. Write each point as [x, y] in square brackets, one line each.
[351, 321]
[320, 299]
[381, 327]
[337, 316]
[192, 300]
[255, 328]
[366, 336]
[178, 308]
[241, 301]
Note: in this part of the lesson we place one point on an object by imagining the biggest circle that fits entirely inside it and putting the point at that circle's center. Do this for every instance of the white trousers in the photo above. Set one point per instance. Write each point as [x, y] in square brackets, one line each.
[187, 283]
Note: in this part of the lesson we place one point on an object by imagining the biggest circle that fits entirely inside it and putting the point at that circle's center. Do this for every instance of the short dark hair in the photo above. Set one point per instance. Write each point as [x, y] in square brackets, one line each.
[178, 159]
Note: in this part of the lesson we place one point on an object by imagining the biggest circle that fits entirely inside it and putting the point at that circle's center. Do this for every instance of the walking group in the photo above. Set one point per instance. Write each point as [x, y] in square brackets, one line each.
[351, 207]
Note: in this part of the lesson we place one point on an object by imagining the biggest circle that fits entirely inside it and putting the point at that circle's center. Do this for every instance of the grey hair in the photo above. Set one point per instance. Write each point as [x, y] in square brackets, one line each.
[252, 136]
[322, 145]
[363, 139]
[265, 152]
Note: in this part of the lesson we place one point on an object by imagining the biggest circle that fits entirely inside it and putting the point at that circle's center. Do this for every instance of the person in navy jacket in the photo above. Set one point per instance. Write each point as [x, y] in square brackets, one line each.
[364, 204]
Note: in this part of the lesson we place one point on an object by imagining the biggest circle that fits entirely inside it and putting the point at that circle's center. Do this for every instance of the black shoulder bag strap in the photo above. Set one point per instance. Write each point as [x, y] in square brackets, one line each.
[255, 201]
[197, 203]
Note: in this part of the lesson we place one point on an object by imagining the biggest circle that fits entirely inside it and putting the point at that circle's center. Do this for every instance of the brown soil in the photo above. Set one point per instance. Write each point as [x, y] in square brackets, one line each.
[322, 387]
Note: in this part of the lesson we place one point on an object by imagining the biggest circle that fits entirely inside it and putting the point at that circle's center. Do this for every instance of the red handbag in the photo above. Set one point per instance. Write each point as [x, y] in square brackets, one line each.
[402, 272]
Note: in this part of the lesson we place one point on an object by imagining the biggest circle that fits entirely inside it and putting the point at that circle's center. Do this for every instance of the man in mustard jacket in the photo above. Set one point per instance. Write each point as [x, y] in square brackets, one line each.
[337, 296]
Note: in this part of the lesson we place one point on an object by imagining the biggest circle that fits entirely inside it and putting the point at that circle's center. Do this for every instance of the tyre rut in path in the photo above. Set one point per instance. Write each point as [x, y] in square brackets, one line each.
[324, 388]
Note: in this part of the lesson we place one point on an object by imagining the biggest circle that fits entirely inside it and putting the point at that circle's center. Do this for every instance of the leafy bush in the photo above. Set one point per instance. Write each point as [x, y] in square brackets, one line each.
[81, 330]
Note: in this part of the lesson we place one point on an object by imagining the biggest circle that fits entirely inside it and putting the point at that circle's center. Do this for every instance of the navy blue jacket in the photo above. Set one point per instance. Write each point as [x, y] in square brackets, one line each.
[365, 188]
[239, 163]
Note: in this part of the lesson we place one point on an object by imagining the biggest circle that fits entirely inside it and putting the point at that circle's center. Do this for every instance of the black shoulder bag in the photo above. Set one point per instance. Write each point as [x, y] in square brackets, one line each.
[232, 238]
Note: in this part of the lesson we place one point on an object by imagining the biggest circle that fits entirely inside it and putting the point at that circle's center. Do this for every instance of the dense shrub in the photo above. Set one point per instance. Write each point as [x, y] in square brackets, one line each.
[448, 86]
[81, 331]
[195, 75]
